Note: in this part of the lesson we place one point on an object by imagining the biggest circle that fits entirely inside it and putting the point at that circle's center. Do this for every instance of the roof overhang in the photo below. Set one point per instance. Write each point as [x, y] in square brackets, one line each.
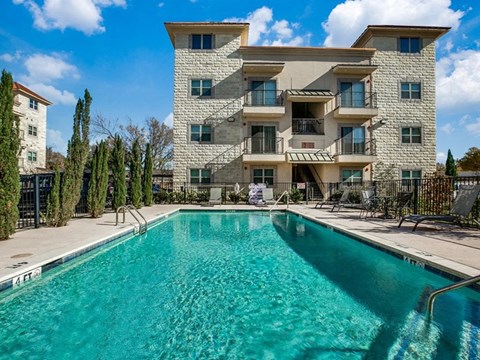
[354, 69]
[307, 51]
[433, 32]
[22, 89]
[263, 67]
[307, 95]
[309, 157]
[207, 27]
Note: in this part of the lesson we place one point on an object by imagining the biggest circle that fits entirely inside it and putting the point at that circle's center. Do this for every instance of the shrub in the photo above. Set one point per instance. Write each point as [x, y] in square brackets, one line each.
[295, 195]
[234, 197]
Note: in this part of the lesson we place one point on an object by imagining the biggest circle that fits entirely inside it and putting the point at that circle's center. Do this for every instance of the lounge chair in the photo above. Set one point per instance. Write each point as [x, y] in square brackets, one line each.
[461, 207]
[215, 196]
[267, 196]
[336, 203]
[403, 201]
[370, 203]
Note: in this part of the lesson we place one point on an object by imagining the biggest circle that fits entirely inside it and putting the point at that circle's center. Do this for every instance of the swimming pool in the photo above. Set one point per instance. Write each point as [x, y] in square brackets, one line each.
[237, 285]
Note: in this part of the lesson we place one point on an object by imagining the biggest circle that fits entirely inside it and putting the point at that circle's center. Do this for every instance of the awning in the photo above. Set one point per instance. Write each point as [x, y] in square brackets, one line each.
[317, 157]
[263, 67]
[306, 95]
[354, 69]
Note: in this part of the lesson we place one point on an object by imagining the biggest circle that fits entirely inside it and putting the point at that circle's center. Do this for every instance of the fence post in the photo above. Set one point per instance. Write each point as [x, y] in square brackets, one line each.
[415, 195]
[306, 193]
[36, 196]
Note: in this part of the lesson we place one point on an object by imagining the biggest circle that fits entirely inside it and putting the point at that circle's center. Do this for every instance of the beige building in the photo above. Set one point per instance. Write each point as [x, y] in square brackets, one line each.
[267, 114]
[31, 109]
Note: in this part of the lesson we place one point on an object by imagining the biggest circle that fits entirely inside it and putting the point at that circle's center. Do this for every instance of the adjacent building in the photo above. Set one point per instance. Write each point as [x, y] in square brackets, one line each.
[31, 109]
[267, 114]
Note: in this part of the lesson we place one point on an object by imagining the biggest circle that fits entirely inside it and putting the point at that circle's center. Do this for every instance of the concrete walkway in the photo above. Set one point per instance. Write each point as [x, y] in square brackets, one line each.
[448, 248]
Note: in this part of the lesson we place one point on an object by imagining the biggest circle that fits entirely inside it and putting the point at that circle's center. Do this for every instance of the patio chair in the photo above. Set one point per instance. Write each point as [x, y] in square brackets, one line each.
[267, 196]
[335, 203]
[215, 196]
[461, 207]
[370, 203]
[403, 201]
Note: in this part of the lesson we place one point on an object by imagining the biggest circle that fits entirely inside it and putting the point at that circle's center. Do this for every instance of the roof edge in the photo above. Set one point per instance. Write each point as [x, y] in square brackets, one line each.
[23, 89]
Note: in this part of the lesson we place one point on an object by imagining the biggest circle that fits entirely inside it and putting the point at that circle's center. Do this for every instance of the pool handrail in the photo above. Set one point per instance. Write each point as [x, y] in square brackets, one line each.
[457, 285]
[142, 225]
[278, 200]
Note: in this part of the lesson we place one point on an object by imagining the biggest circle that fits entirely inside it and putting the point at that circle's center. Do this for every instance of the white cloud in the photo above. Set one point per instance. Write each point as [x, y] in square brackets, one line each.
[282, 29]
[348, 19]
[168, 120]
[56, 141]
[474, 128]
[447, 128]
[258, 23]
[82, 15]
[458, 80]
[47, 68]
[161, 5]
[7, 57]
[441, 157]
[54, 95]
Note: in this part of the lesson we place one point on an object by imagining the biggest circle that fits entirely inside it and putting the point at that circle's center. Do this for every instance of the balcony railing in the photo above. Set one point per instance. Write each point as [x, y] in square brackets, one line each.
[263, 145]
[356, 99]
[264, 98]
[347, 146]
[307, 126]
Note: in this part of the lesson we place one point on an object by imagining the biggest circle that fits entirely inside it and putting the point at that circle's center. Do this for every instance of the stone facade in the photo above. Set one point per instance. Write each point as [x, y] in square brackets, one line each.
[31, 109]
[319, 128]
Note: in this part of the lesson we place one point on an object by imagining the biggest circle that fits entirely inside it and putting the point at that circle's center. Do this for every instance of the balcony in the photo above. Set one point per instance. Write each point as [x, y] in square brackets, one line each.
[353, 151]
[355, 105]
[307, 126]
[257, 149]
[264, 103]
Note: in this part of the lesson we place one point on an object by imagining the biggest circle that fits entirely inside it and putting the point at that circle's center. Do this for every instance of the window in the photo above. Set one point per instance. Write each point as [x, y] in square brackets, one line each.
[263, 93]
[409, 45]
[201, 88]
[351, 176]
[411, 135]
[263, 176]
[32, 130]
[202, 41]
[33, 104]
[410, 90]
[352, 140]
[200, 176]
[352, 94]
[409, 175]
[32, 156]
[201, 133]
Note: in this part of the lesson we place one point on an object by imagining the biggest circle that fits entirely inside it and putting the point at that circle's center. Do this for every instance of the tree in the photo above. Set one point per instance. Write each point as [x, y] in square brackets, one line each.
[97, 190]
[136, 175]
[53, 200]
[118, 172]
[54, 158]
[450, 166]
[9, 149]
[147, 177]
[77, 153]
[471, 160]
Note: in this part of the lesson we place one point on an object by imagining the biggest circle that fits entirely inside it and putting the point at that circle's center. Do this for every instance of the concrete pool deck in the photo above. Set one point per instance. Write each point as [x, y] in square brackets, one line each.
[451, 249]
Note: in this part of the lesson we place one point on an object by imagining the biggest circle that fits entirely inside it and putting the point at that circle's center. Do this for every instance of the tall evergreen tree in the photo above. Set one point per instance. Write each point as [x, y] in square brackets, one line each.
[53, 200]
[450, 166]
[97, 190]
[9, 148]
[77, 153]
[136, 175]
[118, 171]
[148, 177]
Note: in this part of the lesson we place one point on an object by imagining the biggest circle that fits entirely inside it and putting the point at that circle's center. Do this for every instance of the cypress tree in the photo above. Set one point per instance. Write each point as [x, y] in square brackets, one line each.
[136, 175]
[53, 200]
[118, 171]
[450, 166]
[9, 148]
[77, 154]
[97, 190]
[148, 177]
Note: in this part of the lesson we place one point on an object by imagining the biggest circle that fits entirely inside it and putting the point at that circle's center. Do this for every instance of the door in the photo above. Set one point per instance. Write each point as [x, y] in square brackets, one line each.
[353, 140]
[263, 139]
[264, 93]
[353, 94]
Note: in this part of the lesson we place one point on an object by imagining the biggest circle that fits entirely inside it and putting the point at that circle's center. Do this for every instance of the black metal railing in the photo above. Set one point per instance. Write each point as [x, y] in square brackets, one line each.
[348, 146]
[307, 126]
[263, 145]
[356, 99]
[264, 98]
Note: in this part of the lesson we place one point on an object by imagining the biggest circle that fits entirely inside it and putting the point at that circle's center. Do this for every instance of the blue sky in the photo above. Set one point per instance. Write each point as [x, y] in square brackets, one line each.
[120, 51]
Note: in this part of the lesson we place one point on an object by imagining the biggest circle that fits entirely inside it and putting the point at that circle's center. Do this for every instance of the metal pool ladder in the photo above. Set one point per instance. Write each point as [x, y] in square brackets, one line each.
[142, 222]
[280, 198]
[457, 285]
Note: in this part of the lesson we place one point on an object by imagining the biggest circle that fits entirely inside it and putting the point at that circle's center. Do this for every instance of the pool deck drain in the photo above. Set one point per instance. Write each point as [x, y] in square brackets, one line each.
[451, 249]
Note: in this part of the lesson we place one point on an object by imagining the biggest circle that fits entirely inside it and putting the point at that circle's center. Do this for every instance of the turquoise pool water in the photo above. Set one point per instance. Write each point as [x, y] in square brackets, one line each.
[236, 286]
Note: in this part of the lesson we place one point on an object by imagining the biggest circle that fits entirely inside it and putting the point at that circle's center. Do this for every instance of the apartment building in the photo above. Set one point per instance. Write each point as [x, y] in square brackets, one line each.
[31, 109]
[267, 114]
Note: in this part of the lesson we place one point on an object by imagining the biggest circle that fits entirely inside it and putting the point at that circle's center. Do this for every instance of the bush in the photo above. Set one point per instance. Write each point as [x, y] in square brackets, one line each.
[203, 196]
[295, 195]
[234, 197]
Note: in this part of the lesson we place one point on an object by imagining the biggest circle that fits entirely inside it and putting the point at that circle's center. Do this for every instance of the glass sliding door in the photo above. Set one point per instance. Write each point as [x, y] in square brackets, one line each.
[264, 93]
[353, 140]
[263, 139]
[353, 94]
